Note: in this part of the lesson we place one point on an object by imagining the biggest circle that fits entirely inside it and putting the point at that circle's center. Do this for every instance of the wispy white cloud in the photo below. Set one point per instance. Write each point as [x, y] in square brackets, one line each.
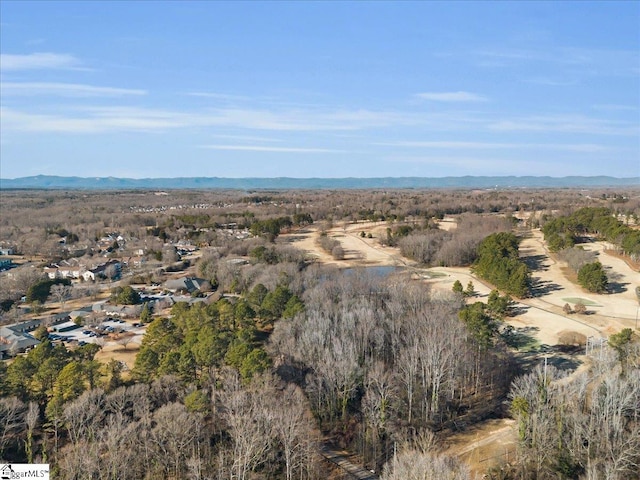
[236, 121]
[218, 96]
[264, 148]
[580, 147]
[551, 82]
[65, 90]
[35, 41]
[36, 61]
[566, 124]
[615, 107]
[96, 123]
[582, 61]
[247, 138]
[102, 119]
[451, 97]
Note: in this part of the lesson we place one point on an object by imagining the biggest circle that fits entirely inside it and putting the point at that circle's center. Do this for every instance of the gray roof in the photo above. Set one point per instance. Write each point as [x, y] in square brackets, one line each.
[10, 338]
[190, 284]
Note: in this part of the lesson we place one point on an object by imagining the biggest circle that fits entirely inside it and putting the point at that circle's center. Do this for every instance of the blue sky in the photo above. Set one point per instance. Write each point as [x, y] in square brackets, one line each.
[326, 89]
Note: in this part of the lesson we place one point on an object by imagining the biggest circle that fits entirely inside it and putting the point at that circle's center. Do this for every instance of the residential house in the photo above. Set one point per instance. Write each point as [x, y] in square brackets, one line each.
[137, 261]
[64, 271]
[102, 270]
[52, 272]
[89, 276]
[14, 340]
[71, 272]
[187, 284]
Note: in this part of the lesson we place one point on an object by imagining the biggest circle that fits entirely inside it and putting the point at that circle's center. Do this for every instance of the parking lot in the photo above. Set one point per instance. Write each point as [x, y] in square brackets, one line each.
[110, 330]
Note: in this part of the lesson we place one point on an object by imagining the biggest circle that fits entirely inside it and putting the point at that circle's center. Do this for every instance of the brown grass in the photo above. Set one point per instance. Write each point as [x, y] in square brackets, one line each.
[118, 352]
[633, 265]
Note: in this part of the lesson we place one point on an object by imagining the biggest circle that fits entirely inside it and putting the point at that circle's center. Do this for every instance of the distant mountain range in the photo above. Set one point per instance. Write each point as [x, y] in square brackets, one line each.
[112, 183]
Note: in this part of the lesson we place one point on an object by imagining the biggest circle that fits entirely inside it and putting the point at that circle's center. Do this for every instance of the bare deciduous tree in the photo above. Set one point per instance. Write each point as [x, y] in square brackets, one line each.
[31, 420]
[60, 293]
[125, 339]
[111, 272]
[12, 412]
[416, 465]
[250, 427]
[175, 433]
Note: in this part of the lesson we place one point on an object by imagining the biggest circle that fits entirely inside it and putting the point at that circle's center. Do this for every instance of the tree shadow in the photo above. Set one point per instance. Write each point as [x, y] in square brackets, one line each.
[562, 362]
[562, 357]
[540, 287]
[519, 309]
[536, 262]
[290, 239]
[617, 287]
[520, 338]
[615, 284]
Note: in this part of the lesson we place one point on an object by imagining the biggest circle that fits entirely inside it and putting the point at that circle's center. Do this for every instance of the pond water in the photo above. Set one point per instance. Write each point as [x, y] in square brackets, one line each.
[379, 271]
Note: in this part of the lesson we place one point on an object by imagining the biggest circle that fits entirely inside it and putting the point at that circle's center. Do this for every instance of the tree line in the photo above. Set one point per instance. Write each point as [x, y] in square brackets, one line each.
[565, 231]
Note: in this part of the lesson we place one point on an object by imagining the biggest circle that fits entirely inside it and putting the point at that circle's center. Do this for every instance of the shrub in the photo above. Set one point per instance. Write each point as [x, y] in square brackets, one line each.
[580, 308]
